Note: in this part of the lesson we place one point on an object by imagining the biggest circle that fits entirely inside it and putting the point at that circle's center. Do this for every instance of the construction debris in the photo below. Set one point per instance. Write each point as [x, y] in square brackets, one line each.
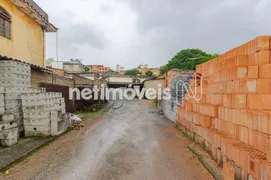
[77, 125]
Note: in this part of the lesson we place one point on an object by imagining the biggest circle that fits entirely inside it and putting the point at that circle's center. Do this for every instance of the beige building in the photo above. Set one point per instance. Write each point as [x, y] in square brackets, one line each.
[23, 25]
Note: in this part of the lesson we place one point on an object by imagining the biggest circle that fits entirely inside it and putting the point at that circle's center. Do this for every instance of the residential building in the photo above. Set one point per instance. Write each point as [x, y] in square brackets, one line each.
[143, 68]
[74, 66]
[98, 68]
[120, 69]
[23, 25]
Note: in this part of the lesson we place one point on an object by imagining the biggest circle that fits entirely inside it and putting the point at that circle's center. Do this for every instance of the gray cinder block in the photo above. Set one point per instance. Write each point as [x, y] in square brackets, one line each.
[9, 134]
[5, 125]
[13, 103]
[37, 115]
[11, 110]
[40, 128]
[36, 122]
[7, 117]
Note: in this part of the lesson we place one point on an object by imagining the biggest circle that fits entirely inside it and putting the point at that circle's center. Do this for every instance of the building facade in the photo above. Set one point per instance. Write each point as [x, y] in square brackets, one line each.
[74, 66]
[98, 68]
[143, 68]
[23, 25]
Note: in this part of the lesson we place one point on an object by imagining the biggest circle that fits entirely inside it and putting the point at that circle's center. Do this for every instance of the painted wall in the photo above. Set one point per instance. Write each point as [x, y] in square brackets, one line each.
[27, 37]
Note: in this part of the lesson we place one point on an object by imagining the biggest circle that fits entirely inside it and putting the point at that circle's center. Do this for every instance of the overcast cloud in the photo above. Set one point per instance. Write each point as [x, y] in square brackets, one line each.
[131, 32]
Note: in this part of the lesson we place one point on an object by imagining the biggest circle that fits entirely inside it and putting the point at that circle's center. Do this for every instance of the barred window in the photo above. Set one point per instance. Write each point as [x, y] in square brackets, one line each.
[4, 23]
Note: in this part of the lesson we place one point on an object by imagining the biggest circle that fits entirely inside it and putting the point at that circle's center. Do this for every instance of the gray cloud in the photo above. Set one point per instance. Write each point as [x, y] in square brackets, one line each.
[153, 31]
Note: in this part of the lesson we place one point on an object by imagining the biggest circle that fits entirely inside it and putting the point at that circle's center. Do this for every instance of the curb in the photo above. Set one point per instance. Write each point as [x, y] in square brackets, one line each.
[207, 162]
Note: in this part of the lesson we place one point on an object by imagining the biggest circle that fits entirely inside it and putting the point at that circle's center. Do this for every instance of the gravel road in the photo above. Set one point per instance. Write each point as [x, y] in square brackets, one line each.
[130, 143]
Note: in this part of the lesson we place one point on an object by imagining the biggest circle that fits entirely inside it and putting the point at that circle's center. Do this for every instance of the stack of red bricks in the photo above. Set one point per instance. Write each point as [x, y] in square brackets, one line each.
[228, 110]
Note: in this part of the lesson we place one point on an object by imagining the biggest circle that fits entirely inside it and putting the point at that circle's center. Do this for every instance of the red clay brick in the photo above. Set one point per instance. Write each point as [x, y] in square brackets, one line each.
[263, 57]
[251, 86]
[239, 101]
[263, 43]
[264, 71]
[264, 86]
[254, 101]
[253, 71]
[241, 72]
[266, 101]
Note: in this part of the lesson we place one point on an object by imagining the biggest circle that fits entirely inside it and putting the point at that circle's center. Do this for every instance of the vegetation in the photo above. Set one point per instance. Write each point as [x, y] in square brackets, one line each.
[86, 69]
[149, 73]
[187, 59]
[132, 72]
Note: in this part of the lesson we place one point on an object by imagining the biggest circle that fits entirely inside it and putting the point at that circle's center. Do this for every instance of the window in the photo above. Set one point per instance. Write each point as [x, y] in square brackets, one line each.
[4, 23]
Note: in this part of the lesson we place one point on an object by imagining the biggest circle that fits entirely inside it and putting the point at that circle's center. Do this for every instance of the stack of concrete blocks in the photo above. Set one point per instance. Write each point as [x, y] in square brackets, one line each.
[12, 74]
[44, 114]
[15, 78]
[8, 127]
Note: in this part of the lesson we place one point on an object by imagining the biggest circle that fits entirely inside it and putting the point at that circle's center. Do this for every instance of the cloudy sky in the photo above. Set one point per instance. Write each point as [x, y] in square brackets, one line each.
[131, 32]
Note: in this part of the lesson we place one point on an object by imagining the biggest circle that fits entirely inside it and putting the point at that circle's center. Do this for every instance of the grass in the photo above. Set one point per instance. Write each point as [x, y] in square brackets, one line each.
[87, 114]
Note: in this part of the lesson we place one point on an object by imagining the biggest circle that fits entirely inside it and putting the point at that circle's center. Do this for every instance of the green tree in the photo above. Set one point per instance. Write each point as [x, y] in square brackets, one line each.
[86, 69]
[132, 72]
[149, 73]
[187, 59]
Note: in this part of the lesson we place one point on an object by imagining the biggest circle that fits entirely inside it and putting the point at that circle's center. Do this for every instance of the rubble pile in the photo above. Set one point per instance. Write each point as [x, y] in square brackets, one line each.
[77, 125]
[25, 110]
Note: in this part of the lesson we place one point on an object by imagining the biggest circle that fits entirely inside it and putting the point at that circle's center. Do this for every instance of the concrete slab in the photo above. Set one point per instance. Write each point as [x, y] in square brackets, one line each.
[21, 149]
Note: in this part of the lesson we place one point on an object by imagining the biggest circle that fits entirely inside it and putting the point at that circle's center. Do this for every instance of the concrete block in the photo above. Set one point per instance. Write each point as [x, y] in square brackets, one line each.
[9, 142]
[11, 110]
[2, 90]
[63, 110]
[14, 70]
[38, 115]
[15, 77]
[16, 64]
[7, 117]
[12, 96]
[2, 110]
[50, 101]
[59, 100]
[32, 96]
[13, 103]
[18, 116]
[33, 102]
[37, 133]
[9, 134]
[57, 128]
[56, 115]
[36, 122]
[33, 109]
[2, 96]
[2, 103]
[58, 95]
[11, 83]
[40, 128]
[7, 125]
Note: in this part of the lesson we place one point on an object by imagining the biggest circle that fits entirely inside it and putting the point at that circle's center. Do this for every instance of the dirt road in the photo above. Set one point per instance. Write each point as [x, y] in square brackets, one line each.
[132, 142]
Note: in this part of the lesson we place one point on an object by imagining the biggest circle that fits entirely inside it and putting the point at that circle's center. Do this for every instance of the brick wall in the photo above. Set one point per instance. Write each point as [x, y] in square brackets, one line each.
[232, 121]
[38, 77]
